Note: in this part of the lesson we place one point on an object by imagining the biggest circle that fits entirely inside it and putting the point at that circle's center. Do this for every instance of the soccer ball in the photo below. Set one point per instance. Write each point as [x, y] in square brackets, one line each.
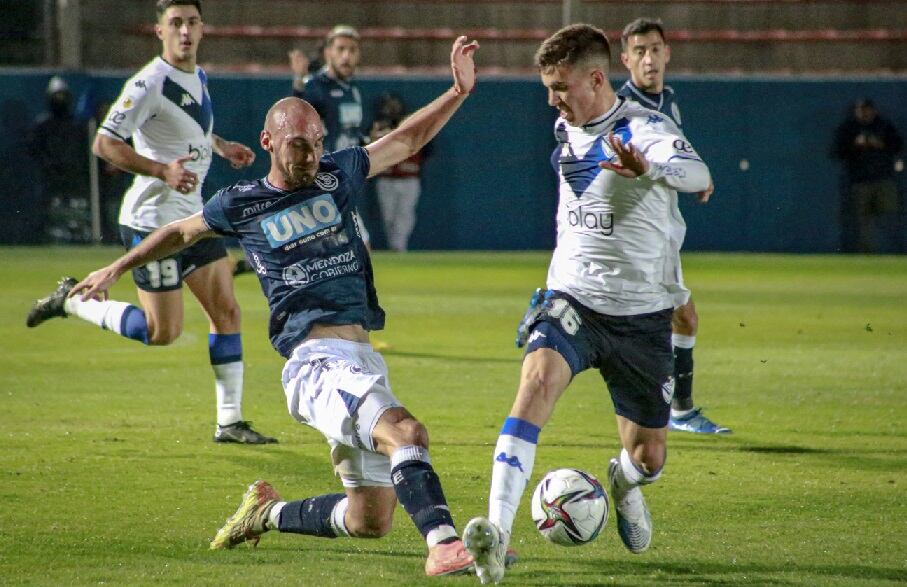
[569, 507]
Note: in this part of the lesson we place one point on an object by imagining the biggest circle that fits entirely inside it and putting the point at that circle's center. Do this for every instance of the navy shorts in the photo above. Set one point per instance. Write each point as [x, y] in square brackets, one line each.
[167, 274]
[633, 354]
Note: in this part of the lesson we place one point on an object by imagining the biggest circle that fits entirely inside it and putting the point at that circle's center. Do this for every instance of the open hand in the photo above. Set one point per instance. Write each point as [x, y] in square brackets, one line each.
[96, 285]
[178, 177]
[463, 65]
[632, 163]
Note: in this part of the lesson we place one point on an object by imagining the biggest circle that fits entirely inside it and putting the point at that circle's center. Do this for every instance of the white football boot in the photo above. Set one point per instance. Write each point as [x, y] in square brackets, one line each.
[634, 522]
[485, 542]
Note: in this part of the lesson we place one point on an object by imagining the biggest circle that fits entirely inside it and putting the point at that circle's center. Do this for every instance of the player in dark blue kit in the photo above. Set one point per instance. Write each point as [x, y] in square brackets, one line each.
[334, 95]
[297, 230]
[645, 54]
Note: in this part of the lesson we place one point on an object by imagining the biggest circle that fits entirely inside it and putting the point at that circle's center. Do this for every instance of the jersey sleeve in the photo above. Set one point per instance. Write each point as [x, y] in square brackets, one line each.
[354, 161]
[138, 101]
[672, 159]
[215, 215]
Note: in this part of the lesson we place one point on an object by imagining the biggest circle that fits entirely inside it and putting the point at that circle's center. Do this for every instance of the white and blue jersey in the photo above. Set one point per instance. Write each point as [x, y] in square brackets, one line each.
[168, 114]
[617, 249]
[664, 102]
[340, 106]
[305, 247]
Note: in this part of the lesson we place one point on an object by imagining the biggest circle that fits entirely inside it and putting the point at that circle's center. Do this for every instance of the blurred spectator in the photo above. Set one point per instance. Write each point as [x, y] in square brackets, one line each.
[59, 144]
[23, 221]
[399, 187]
[867, 144]
[305, 65]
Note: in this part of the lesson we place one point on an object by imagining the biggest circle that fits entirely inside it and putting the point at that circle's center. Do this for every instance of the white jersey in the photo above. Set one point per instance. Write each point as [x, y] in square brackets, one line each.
[618, 239]
[168, 114]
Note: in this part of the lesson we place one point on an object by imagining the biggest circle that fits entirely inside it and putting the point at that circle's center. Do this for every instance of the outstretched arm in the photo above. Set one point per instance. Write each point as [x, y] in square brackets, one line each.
[413, 134]
[163, 242]
[237, 154]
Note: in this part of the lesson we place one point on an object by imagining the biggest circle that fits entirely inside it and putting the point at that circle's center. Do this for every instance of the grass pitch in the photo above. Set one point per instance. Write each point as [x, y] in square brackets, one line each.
[109, 475]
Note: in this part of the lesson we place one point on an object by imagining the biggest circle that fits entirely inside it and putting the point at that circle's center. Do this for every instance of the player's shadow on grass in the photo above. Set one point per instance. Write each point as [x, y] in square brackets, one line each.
[619, 571]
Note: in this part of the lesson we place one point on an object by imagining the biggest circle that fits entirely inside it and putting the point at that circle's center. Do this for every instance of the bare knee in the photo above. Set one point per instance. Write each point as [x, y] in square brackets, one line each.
[227, 316]
[542, 383]
[163, 335]
[650, 456]
[411, 432]
[369, 526]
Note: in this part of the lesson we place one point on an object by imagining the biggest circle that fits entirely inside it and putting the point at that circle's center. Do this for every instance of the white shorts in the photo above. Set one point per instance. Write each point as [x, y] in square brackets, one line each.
[341, 389]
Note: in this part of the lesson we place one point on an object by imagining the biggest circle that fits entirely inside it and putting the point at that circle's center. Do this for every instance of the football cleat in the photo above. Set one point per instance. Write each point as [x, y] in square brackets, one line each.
[484, 541]
[241, 432]
[249, 522]
[52, 305]
[634, 522]
[448, 559]
[696, 422]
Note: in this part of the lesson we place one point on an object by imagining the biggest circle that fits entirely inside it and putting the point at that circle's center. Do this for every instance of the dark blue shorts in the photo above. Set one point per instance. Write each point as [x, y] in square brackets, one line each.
[633, 354]
[167, 274]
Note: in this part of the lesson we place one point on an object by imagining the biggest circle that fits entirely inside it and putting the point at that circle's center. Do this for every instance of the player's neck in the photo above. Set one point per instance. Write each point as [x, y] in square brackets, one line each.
[654, 90]
[187, 65]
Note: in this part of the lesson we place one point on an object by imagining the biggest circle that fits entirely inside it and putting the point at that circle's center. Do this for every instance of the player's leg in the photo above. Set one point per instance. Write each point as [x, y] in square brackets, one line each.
[555, 351]
[685, 416]
[639, 373]
[544, 377]
[212, 285]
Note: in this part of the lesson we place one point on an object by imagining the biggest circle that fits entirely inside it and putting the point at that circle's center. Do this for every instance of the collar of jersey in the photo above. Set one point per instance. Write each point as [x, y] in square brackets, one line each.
[654, 101]
[598, 125]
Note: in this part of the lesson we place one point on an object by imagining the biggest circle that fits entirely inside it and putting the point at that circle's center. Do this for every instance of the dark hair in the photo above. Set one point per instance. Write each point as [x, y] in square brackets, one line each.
[163, 5]
[641, 26]
[574, 44]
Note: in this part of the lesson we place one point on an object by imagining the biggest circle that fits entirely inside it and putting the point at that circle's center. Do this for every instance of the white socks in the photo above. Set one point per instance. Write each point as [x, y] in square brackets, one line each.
[228, 379]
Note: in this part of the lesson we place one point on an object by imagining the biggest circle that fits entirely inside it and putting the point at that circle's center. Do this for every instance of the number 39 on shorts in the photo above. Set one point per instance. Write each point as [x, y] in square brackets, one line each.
[562, 310]
[163, 273]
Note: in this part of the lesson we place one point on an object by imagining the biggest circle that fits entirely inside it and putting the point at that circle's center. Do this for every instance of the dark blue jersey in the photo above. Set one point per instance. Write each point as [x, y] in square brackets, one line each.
[665, 102]
[340, 107]
[305, 247]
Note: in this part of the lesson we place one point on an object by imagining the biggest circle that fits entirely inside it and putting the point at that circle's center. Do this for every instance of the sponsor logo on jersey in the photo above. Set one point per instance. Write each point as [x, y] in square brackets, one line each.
[186, 100]
[257, 206]
[326, 181]
[682, 146]
[299, 221]
[654, 119]
[313, 271]
[586, 218]
[200, 153]
[140, 83]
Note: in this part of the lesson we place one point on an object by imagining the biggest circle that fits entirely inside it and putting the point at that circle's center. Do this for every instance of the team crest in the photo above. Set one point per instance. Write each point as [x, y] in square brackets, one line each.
[127, 103]
[326, 181]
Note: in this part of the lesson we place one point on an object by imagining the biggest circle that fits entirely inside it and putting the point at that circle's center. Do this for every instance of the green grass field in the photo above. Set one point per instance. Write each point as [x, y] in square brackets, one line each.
[109, 475]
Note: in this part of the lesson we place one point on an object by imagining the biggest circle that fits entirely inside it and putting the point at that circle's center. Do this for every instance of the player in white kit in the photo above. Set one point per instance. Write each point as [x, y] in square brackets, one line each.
[645, 53]
[612, 284]
[166, 110]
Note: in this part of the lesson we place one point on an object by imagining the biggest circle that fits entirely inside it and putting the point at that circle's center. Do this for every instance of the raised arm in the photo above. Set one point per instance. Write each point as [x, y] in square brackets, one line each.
[415, 132]
[161, 243]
